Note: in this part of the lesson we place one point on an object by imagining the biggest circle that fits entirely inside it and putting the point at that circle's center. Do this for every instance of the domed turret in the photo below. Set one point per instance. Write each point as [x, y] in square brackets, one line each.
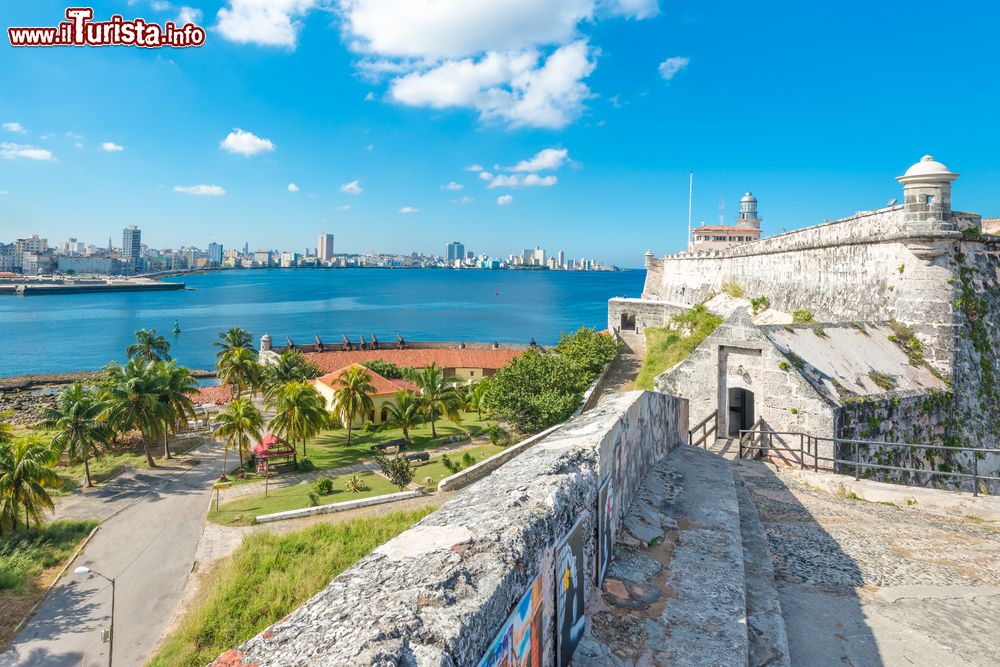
[927, 204]
[748, 211]
[265, 342]
[928, 170]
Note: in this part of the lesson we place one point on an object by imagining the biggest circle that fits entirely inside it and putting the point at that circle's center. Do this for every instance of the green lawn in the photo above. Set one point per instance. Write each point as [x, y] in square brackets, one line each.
[268, 577]
[435, 468]
[667, 347]
[242, 511]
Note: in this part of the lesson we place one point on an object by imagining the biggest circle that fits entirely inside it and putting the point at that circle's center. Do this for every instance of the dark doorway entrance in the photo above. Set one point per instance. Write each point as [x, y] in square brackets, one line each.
[628, 322]
[740, 411]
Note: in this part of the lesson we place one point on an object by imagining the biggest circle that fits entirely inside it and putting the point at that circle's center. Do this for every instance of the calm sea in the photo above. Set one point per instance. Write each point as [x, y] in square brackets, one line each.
[59, 333]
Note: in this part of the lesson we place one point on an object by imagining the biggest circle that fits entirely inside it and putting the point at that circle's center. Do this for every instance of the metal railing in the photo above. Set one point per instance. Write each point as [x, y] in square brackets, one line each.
[706, 429]
[806, 455]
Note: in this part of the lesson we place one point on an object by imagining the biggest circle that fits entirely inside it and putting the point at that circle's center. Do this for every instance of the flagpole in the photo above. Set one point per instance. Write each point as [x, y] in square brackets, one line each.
[690, 199]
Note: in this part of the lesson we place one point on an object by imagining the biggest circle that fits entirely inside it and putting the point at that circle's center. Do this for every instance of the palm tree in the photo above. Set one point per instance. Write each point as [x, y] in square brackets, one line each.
[231, 340]
[291, 367]
[405, 412]
[149, 346]
[300, 412]
[353, 396]
[77, 422]
[239, 424]
[476, 394]
[437, 393]
[26, 474]
[238, 368]
[6, 430]
[132, 403]
[176, 387]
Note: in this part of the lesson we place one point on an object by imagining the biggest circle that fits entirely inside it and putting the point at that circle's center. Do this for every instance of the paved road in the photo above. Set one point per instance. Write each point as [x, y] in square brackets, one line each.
[149, 546]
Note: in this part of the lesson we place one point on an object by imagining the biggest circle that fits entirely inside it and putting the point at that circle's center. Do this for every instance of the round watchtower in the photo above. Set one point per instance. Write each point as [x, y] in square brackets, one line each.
[265, 342]
[748, 211]
[927, 195]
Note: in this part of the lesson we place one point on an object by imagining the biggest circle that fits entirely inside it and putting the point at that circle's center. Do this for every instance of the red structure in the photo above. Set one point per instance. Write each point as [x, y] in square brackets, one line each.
[272, 447]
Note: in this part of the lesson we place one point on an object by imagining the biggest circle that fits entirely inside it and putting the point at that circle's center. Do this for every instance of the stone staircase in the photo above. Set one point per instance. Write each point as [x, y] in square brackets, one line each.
[691, 582]
[727, 448]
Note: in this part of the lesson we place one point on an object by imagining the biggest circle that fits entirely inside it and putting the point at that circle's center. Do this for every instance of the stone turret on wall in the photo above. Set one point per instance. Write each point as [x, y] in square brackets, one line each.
[927, 206]
[265, 342]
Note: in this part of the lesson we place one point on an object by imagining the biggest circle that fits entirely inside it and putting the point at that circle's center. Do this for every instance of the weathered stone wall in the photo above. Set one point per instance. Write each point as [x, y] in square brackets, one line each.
[647, 313]
[438, 593]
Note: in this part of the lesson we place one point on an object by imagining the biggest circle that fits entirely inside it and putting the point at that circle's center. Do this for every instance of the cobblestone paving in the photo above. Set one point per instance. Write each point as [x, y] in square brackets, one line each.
[870, 584]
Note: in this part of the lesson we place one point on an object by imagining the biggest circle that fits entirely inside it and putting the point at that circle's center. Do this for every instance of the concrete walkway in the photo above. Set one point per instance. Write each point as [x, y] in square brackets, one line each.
[864, 583]
[624, 369]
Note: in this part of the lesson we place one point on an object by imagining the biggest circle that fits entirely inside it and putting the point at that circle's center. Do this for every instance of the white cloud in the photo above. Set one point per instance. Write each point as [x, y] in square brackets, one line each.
[200, 190]
[345, 207]
[188, 15]
[550, 158]
[10, 151]
[637, 9]
[474, 167]
[292, 187]
[370, 97]
[264, 22]
[160, 5]
[352, 188]
[245, 143]
[452, 186]
[671, 66]
[463, 200]
[503, 200]
[407, 210]
[526, 181]
[112, 147]
[486, 176]
[79, 145]
[17, 128]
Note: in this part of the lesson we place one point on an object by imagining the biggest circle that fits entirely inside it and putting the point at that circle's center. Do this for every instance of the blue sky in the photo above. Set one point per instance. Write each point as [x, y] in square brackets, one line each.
[815, 106]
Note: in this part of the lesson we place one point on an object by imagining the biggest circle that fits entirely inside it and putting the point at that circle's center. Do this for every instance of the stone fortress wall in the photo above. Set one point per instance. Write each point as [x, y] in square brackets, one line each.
[439, 593]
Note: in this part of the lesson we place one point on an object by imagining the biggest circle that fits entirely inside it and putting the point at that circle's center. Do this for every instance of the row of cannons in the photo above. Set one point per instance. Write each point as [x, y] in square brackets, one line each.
[349, 346]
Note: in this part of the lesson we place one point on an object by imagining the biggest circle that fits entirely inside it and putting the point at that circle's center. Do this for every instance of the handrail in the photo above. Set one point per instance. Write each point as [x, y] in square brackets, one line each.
[809, 447]
[706, 430]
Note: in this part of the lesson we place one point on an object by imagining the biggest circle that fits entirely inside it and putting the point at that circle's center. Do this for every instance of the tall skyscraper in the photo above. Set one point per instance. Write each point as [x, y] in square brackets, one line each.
[456, 250]
[215, 252]
[324, 250]
[562, 260]
[132, 242]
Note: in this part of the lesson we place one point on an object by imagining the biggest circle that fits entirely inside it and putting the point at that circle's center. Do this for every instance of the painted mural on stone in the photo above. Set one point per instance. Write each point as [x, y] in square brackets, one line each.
[570, 590]
[520, 642]
[605, 523]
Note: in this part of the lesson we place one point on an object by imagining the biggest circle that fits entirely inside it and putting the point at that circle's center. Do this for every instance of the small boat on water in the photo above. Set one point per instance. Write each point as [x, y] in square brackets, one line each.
[177, 327]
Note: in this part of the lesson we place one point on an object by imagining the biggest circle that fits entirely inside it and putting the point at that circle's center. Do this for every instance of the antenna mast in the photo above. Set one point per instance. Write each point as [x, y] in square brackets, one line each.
[690, 198]
[722, 210]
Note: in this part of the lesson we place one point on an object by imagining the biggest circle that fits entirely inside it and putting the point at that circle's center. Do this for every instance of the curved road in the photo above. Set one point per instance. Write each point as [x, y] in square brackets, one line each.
[152, 524]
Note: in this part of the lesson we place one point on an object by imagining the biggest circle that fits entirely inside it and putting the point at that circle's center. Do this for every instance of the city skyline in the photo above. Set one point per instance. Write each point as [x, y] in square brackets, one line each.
[234, 136]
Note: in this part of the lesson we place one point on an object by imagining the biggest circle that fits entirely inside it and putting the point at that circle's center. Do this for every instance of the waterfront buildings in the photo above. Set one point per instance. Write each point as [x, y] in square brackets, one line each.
[215, 253]
[456, 251]
[324, 249]
[132, 247]
[720, 237]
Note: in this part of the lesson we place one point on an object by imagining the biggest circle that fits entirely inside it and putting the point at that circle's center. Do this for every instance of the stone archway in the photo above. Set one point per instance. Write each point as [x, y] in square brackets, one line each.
[740, 411]
[628, 322]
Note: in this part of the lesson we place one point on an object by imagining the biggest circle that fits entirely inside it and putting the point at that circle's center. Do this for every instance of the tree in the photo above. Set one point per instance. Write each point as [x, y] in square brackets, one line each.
[300, 412]
[149, 346]
[239, 423]
[132, 402]
[77, 422]
[405, 412]
[386, 369]
[291, 367]
[233, 339]
[238, 369]
[589, 350]
[398, 469]
[352, 397]
[476, 393]
[535, 391]
[437, 393]
[26, 474]
[6, 430]
[175, 389]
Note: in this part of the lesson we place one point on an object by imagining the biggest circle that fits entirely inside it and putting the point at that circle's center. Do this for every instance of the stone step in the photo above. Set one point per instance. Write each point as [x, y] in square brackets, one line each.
[675, 592]
[727, 448]
[768, 642]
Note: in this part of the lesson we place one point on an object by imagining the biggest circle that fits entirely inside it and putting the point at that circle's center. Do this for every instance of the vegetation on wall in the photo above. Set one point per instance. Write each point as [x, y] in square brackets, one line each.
[759, 303]
[802, 316]
[668, 346]
[733, 289]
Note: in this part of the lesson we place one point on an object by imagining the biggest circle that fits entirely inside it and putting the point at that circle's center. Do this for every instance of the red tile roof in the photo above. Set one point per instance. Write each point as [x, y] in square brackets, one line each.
[383, 386]
[725, 228]
[445, 358]
[219, 395]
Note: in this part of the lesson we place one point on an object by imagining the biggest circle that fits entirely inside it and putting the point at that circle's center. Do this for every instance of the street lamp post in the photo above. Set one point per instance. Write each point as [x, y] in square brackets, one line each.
[111, 634]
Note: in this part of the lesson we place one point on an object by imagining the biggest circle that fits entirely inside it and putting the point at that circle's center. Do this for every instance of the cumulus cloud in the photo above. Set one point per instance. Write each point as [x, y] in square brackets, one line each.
[671, 66]
[264, 22]
[452, 186]
[187, 15]
[486, 176]
[16, 128]
[550, 158]
[245, 143]
[292, 187]
[9, 151]
[463, 200]
[503, 200]
[518, 180]
[200, 190]
[474, 167]
[370, 97]
[352, 188]
[112, 147]
[637, 9]
[407, 210]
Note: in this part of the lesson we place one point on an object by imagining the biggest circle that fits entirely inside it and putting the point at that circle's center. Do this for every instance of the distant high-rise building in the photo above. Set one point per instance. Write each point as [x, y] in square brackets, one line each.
[324, 250]
[246, 247]
[215, 252]
[132, 242]
[456, 250]
[28, 245]
[562, 260]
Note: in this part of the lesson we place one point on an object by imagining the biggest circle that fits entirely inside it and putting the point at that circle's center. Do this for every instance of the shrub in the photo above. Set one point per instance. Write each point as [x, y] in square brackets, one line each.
[760, 303]
[588, 350]
[536, 391]
[468, 460]
[372, 428]
[733, 289]
[386, 369]
[305, 465]
[784, 365]
[313, 499]
[450, 465]
[356, 485]
[666, 347]
[324, 486]
[398, 469]
[499, 436]
[883, 380]
[801, 316]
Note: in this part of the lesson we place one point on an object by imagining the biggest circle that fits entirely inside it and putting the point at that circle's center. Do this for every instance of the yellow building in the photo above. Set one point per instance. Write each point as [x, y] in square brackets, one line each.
[385, 393]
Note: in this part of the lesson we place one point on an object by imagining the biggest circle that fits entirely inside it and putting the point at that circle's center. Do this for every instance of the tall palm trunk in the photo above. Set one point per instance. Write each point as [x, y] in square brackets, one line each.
[149, 454]
[434, 416]
[86, 471]
[166, 449]
[350, 422]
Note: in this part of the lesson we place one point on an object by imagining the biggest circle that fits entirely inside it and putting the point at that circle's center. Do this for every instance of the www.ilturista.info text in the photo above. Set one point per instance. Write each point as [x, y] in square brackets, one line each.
[81, 30]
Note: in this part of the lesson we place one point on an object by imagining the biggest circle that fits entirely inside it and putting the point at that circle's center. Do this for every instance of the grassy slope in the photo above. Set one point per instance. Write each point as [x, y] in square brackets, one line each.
[268, 577]
[667, 347]
[28, 562]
